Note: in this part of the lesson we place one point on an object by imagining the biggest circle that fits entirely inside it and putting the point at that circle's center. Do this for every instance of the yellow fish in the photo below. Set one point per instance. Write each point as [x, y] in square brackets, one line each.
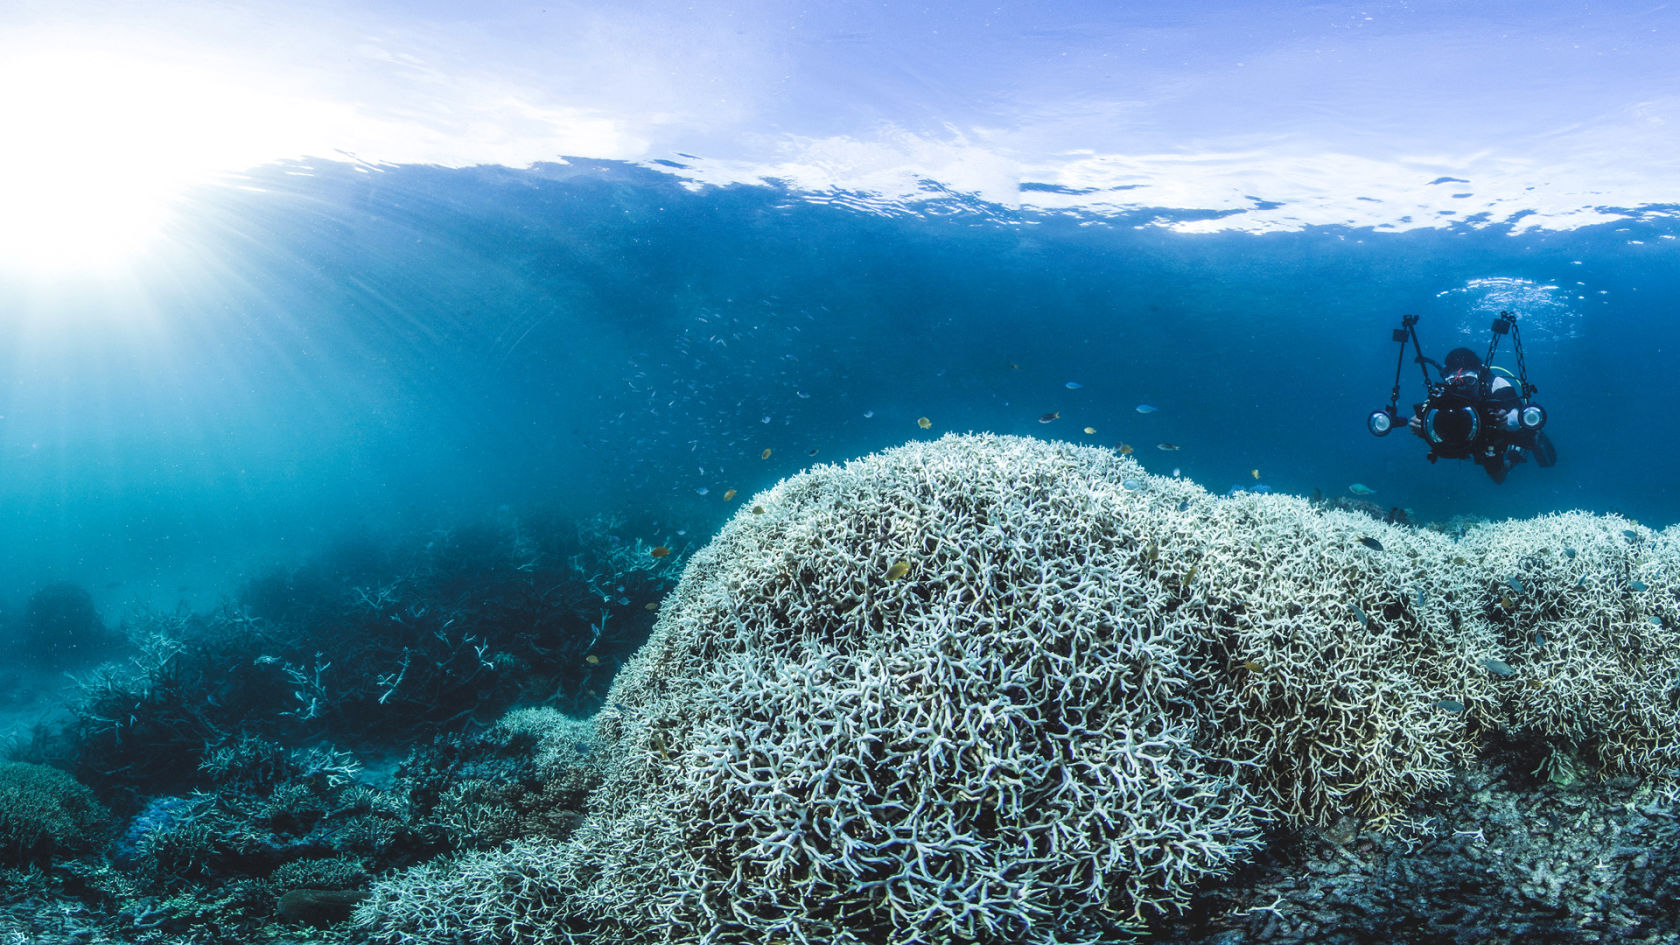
[660, 552]
[1255, 473]
[592, 659]
[728, 494]
[764, 455]
[1090, 430]
[899, 569]
[758, 510]
[924, 423]
[1125, 449]
[652, 605]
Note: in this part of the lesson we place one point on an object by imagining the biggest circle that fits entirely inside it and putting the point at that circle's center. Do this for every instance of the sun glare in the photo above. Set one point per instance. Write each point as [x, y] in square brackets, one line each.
[101, 146]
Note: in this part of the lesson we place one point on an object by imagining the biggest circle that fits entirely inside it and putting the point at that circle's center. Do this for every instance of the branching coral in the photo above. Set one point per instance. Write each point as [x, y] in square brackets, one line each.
[990, 689]
[1587, 609]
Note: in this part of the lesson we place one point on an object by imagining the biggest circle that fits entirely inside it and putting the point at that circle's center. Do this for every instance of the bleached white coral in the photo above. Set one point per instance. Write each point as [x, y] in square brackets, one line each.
[1343, 672]
[1585, 609]
[991, 689]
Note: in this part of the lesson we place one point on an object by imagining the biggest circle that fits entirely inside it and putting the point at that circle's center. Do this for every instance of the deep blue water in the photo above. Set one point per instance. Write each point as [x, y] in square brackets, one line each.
[338, 349]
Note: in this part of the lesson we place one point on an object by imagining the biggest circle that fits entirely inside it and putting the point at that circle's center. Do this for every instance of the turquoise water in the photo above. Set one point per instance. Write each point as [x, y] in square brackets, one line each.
[389, 349]
[368, 371]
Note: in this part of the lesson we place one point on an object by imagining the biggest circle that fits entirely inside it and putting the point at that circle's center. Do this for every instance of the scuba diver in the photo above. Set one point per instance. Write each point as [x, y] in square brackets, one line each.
[1471, 412]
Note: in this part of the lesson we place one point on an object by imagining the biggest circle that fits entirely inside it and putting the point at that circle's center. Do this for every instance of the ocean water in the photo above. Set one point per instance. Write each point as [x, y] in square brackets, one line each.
[399, 347]
[338, 343]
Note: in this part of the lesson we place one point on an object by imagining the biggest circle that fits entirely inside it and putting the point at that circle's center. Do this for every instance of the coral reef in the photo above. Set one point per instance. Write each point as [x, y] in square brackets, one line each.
[981, 690]
[1504, 859]
[332, 722]
[990, 689]
[44, 812]
[993, 689]
[373, 649]
[1585, 608]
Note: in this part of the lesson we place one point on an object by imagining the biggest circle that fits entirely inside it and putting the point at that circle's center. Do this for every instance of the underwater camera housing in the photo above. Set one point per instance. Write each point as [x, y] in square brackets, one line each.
[1459, 419]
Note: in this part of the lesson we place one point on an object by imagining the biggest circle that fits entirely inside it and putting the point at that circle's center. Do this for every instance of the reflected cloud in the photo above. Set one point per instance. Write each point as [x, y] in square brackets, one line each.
[1200, 122]
[1252, 189]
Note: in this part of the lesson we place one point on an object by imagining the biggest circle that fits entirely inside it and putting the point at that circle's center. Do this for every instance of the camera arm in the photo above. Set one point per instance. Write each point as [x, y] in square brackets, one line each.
[1381, 421]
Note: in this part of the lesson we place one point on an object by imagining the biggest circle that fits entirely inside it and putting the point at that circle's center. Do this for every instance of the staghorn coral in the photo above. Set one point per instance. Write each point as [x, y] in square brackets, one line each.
[1335, 657]
[1585, 608]
[1016, 739]
[990, 689]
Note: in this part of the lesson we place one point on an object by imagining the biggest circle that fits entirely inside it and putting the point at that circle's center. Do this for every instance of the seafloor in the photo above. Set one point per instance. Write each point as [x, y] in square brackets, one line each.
[244, 775]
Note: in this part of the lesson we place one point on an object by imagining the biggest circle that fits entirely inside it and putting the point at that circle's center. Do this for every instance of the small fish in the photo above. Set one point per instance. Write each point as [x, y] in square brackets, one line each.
[728, 494]
[1251, 666]
[758, 510]
[1145, 408]
[811, 453]
[1516, 585]
[592, 659]
[1499, 668]
[1505, 602]
[1636, 585]
[764, 455]
[1126, 449]
[1366, 621]
[1630, 534]
[1255, 473]
[1451, 705]
[1184, 505]
[1167, 447]
[1053, 415]
[1655, 620]
[660, 552]
[924, 423]
[868, 414]
[1359, 488]
[1539, 638]
[1420, 598]
[1371, 543]
[651, 605]
[1090, 430]
[1131, 485]
[1073, 385]
[899, 569]
[702, 490]
[1569, 553]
